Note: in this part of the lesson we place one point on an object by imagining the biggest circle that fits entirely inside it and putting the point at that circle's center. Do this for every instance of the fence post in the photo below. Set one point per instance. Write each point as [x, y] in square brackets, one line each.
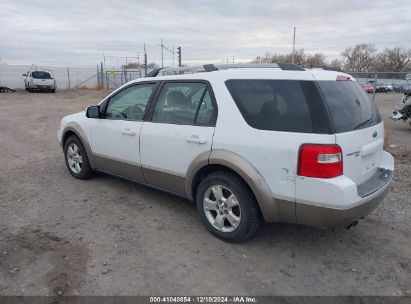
[107, 80]
[98, 77]
[101, 74]
[68, 77]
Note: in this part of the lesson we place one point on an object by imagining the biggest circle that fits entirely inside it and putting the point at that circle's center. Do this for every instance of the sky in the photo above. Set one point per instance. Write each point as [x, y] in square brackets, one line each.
[79, 32]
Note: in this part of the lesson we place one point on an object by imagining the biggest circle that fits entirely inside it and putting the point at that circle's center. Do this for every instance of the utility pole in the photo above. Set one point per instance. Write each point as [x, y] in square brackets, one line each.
[162, 55]
[233, 59]
[145, 60]
[101, 74]
[293, 57]
[179, 56]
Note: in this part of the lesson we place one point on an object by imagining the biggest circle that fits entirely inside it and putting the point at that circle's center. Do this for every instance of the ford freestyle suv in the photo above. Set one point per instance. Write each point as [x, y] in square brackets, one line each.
[247, 144]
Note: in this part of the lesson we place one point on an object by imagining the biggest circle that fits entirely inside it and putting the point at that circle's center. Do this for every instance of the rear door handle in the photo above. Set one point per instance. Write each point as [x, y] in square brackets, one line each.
[196, 139]
[128, 132]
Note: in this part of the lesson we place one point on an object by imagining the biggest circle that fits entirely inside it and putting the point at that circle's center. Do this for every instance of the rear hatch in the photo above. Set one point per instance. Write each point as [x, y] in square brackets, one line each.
[358, 127]
[42, 78]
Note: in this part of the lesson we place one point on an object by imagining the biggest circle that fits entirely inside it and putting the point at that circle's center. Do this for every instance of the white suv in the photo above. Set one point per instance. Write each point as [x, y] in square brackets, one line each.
[248, 144]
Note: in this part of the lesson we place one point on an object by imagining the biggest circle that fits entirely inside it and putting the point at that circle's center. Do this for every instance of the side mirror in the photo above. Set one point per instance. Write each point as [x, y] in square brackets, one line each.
[25, 75]
[93, 112]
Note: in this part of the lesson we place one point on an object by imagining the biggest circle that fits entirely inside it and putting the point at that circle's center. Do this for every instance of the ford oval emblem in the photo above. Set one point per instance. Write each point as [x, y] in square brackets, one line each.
[374, 134]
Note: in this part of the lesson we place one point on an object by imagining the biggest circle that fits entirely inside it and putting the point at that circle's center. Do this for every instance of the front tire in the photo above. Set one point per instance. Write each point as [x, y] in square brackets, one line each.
[227, 207]
[76, 158]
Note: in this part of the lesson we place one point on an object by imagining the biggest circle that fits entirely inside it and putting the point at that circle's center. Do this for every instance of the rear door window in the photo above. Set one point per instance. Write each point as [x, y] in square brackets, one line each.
[350, 107]
[280, 105]
[184, 103]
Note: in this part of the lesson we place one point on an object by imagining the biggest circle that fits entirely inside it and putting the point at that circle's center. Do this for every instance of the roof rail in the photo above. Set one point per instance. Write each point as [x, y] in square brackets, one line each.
[290, 67]
[210, 68]
[213, 68]
[154, 73]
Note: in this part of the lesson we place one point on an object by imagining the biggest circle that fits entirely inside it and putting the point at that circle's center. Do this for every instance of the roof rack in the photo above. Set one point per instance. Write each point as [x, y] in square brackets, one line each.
[213, 68]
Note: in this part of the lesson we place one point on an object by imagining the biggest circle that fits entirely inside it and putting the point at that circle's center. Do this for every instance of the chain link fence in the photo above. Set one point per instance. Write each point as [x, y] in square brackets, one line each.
[68, 77]
[114, 79]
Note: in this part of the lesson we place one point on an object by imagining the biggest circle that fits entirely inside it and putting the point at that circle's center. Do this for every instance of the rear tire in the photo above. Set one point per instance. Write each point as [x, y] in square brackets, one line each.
[76, 158]
[215, 194]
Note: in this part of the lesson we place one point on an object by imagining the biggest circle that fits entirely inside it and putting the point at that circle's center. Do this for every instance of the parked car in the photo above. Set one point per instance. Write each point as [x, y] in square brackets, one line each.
[389, 87]
[246, 145]
[368, 88]
[381, 89]
[400, 87]
[40, 80]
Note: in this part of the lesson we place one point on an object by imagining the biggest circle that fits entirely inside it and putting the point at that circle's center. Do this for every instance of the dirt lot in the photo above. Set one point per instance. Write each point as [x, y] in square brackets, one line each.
[107, 236]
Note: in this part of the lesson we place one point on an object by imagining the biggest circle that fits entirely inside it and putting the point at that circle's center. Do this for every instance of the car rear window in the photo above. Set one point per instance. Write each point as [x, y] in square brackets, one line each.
[350, 106]
[40, 75]
[281, 105]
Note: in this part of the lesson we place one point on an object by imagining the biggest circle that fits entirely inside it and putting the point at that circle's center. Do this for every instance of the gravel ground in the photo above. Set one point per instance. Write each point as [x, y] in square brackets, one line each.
[107, 236]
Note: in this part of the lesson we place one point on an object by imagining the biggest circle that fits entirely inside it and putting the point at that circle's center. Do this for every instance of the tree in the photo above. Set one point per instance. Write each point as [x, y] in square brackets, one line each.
[315, 61]
[299, 58]
[336, 63]
[398, 59]
[132, 65]
[152, 65]
[269, 58]
[360, 58]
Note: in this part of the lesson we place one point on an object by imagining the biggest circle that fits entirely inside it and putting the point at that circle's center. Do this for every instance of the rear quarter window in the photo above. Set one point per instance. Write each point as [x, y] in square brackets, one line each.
[280, 105]
[350, 107]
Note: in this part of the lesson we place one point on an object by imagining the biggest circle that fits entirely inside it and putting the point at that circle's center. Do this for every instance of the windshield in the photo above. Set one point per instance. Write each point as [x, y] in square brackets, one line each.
[350, 107]
[41, 75]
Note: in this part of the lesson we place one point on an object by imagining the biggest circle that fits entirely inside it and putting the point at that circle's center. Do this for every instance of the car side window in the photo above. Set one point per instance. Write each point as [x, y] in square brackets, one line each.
[277, 105]
[184, 103]
[130, 103]
[206, 110]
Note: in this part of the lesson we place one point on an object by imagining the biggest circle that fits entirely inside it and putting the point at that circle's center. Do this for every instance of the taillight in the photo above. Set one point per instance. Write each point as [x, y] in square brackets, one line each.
[322, 161]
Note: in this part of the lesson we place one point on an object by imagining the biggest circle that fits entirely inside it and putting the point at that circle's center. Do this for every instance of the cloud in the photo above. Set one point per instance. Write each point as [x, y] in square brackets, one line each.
[80, 32]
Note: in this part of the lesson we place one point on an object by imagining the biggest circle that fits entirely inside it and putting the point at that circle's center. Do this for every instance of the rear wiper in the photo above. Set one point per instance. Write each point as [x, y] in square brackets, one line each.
[364, 123]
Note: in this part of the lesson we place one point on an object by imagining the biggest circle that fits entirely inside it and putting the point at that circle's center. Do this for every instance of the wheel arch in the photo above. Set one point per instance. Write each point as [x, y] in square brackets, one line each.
[271, 209]
[74, 128]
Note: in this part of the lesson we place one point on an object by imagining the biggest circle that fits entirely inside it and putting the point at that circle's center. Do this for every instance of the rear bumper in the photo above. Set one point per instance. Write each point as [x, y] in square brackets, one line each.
[327, 217]
[43, 87]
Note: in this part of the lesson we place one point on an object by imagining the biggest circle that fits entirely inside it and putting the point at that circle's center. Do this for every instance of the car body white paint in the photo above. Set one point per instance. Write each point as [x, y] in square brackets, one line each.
[273, 154]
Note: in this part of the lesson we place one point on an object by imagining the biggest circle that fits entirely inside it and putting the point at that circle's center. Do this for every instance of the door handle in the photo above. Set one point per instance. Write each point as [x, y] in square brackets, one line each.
[128, 132]
[196, 139]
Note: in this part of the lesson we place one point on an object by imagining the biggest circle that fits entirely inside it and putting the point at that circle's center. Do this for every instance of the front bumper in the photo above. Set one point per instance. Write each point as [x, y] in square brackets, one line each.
[327, 217]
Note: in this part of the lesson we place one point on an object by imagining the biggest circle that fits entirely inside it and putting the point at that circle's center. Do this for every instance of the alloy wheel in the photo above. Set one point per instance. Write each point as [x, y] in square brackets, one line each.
[222, 208]
[74, 158]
